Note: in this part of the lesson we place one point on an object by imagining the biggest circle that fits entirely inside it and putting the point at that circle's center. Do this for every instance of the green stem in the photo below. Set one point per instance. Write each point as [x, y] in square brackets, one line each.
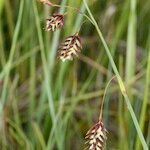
[45, 66]
[8, 64]
[145, 99]
[131, 42]
[120, 81]
[102, 105]
[73, 8]
[12, 52]
[46, 74]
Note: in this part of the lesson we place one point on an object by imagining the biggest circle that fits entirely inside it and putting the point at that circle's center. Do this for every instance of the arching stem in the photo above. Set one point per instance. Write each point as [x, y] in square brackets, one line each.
[102, 105]
[47, 2]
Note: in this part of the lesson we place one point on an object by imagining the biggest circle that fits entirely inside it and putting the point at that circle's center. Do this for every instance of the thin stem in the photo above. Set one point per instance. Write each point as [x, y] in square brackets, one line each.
[12, 52]
[73, 8]
[102, 105]
[120, 81]
[45, 67]
[3, 97]
[145, 98]
[46, 74]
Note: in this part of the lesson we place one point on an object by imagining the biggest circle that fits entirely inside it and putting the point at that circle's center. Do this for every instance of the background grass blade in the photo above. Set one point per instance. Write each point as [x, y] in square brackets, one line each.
[131, 42]
[146, 96]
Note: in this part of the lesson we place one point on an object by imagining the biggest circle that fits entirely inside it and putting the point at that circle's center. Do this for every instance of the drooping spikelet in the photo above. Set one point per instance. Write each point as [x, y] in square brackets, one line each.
[56, 21]
[70, 47]
[96, 137]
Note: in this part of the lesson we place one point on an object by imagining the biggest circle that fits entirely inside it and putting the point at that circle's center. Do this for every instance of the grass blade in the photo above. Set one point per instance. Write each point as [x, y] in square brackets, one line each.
[39, 135]
[131, 42]
[120, 81]
[146, 95]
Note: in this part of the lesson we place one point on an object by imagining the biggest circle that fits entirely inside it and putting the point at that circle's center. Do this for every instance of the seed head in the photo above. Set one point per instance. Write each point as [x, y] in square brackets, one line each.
[56, 21]
[70, 47]
[96, 137]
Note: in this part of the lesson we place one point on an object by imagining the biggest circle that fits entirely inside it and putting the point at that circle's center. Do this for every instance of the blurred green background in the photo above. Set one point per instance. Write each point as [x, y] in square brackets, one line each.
[49, 104]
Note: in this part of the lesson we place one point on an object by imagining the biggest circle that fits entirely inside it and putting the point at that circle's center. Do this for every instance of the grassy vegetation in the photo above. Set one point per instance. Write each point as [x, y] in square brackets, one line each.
[49, 104]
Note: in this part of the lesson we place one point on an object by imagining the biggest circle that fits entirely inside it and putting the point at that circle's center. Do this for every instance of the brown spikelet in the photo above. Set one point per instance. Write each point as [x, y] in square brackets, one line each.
[96, 137]
[70, 47]
[56, 21]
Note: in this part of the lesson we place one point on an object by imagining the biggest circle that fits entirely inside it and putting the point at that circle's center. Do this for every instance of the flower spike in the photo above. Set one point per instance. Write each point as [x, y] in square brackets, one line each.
[70, 47]
[96, 137]
[55, 22]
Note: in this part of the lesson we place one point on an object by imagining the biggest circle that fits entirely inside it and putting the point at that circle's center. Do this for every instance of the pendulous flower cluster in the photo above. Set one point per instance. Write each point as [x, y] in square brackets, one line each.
[96, 137]
[56, 21]
[72, 44]
[70, 47]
